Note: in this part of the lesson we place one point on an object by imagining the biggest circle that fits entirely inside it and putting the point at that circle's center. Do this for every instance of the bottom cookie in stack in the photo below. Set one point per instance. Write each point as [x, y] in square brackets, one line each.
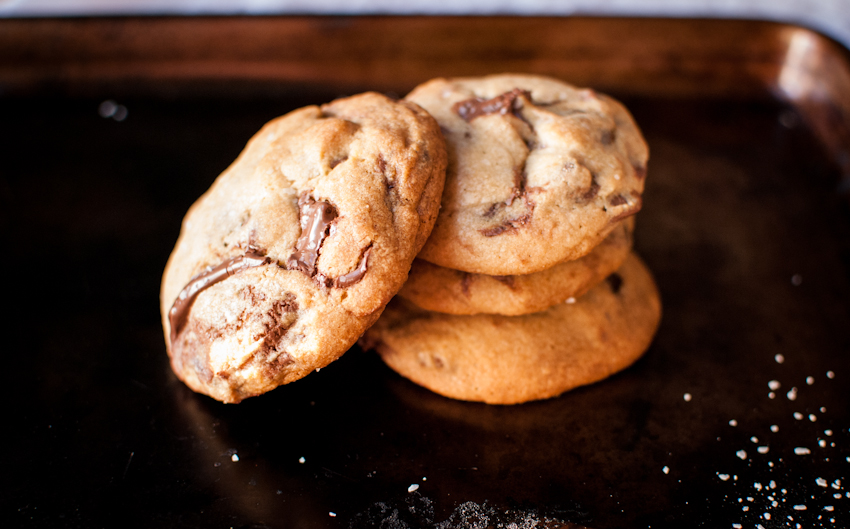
[512, 359]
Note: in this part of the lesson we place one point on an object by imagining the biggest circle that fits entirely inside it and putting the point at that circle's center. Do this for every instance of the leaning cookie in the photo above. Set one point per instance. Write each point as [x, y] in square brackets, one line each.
[439, 289]
[297, 247]
[513, 359]
[539, 171]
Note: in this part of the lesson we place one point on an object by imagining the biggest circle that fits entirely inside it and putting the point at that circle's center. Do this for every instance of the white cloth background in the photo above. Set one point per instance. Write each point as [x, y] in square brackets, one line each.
[831, 17]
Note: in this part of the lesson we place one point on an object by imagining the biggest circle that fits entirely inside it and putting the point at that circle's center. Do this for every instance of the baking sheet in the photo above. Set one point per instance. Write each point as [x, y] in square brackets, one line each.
[744, 225]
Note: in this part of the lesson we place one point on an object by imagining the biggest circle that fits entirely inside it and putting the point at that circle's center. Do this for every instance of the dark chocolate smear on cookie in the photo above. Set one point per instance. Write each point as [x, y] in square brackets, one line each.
[470, 109]
[179, 312]
[615, 281]
[316, 218]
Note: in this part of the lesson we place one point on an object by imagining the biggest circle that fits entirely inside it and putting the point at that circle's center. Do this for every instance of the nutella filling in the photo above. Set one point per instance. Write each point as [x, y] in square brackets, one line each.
[179, 312]
[470, 109]
[316, 218]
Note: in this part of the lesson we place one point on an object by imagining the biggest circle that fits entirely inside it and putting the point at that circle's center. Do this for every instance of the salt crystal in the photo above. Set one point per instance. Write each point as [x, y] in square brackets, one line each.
[737, 526]
[799, 507]
[822, 409]
[829, 508]
[763, 449]
[802, 451]
[745, 508]
[733, 422]
[830, 374]
[828, 433]
[837, 495]
[750, 499]
[742, 454]
[570, 300]
[771, 395]
[772, 484]
[810, 380]
[774, 385]
[779, 358]
[812, 417]
[821, 482]
[792, 394]
[302, 460]
[798, 415]
[687, 397]
[774, 428]
[754, 439]
[757, 486]
[332, 514]
[822, 443]
[766, 516]
[666, 470]
[774, 503]
[413, 488]
[723, 477]
[234, 458]
[836, 484]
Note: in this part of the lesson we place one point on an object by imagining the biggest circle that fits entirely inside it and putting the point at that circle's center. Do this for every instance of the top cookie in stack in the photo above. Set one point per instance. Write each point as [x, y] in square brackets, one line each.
[542, 184]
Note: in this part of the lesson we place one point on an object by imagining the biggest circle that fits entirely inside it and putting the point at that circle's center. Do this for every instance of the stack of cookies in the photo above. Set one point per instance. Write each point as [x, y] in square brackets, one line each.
[527, 286]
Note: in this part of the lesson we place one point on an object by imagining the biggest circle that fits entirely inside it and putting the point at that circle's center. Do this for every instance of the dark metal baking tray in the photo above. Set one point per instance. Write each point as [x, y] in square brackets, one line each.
[745, 226]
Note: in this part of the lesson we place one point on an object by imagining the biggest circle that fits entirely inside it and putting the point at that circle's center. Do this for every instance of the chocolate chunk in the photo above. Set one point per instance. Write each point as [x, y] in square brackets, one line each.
[591, 193]
[508, 225]
[465, 283]
[179, 312]
[316, 218]
[339, 161]
[618, 200]
[470, 109]
[640, 171]
[615, 281]
[608, 137]
[354, 277]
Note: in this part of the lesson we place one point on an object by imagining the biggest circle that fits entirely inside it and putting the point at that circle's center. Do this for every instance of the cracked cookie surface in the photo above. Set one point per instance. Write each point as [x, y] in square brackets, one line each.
[449, 291]
[298, 245]
[513, 359]
[539, 171]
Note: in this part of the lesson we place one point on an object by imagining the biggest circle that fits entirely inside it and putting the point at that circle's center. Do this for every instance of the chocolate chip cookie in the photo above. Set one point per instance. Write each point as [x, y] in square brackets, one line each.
[513, 359]
[539, 172]
[297, 247]
[449, 291]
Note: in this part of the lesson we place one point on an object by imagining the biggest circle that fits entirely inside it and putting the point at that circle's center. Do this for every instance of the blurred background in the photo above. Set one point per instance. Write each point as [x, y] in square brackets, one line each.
[831, 17]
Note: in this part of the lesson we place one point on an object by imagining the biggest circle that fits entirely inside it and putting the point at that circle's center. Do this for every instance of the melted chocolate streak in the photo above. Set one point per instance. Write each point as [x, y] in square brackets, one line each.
[316, 218]
[470, 109]
[179, 313]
